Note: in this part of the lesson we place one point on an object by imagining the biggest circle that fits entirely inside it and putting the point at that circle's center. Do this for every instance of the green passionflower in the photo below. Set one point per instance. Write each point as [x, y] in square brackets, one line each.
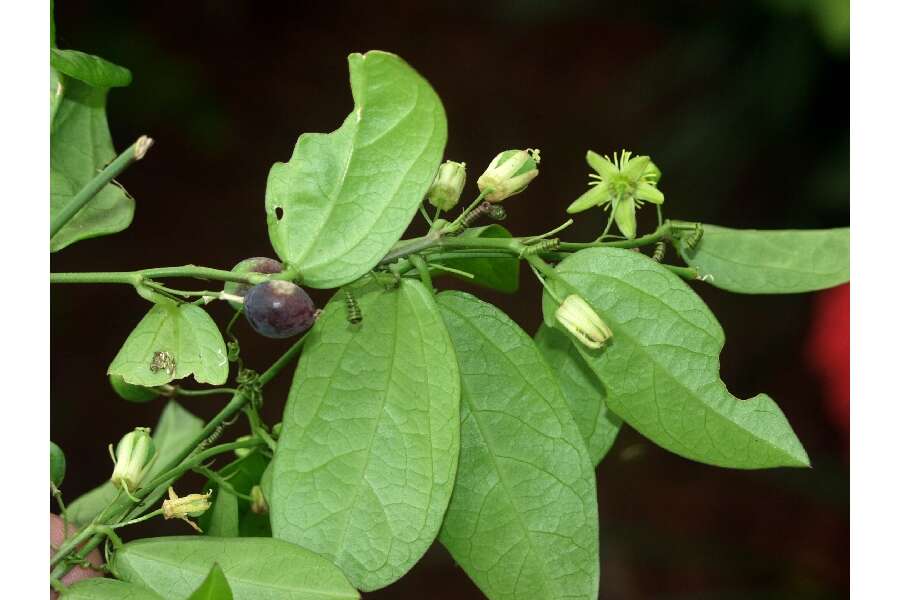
[622, 183]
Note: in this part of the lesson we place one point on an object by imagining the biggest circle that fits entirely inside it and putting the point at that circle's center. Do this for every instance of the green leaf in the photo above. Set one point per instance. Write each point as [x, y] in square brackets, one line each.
[749, 261]
[80, 146]
[184, 334]
[254, 525]
[661, 367]
[90, 69]
[214, 587]
[346, 197]
[224, 521]
[522, 522]
[367, 455]
[582, 390]
[90, 504]
[500, 274]
[173, 433]
[256, 568]
[98, 588]
[56, 93]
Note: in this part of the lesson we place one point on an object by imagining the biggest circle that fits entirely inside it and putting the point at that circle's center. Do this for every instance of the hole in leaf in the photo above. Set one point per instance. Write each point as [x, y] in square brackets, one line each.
[279, 212]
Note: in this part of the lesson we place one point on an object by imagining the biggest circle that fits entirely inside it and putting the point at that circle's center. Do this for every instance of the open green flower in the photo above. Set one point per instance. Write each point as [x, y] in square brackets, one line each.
[622, 183]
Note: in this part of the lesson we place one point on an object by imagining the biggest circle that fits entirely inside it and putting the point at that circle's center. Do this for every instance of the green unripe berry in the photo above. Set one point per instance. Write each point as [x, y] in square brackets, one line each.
[57, 465]
[131, 392]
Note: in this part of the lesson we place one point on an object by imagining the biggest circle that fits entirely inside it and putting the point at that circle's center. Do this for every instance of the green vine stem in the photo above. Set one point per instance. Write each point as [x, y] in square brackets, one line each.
[146, 517]
[94, 533]
[436, 240]
[134, 153]
[122, 506]
[138, 277]
[688, 273]
[180, 391]
[424, 274]
[221, 482]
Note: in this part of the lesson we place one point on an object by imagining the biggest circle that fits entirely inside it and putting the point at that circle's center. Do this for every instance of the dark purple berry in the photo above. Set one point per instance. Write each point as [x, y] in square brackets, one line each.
[279, 309]
[258, 264]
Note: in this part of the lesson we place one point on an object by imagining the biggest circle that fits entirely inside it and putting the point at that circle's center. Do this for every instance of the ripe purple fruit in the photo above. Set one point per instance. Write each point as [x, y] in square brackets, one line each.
[279, 309]
[258, 264]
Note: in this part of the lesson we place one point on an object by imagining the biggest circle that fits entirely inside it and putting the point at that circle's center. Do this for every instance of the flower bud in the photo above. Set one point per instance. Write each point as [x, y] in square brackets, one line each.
[134, 455]
[192, 505]
[580, 320]
[448, 185]
[509, 174]
[258, 504]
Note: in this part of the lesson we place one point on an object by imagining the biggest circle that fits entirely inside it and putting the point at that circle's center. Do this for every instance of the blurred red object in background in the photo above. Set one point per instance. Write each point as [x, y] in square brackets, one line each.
[828, 352]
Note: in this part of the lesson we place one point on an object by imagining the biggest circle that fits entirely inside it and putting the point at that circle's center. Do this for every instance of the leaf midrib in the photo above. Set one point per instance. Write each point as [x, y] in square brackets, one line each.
[489, 445]
[332, 198]
[362, 474]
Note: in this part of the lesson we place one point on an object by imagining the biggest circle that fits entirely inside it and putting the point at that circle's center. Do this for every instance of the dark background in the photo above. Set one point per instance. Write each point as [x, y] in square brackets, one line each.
[743, 105]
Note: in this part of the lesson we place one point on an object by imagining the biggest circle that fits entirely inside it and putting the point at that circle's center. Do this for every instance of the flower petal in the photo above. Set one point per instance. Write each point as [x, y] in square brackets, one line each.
[594, 196]
[625, 218]
[652, 174]
[636, 167]
[648, 193]
[600, 164]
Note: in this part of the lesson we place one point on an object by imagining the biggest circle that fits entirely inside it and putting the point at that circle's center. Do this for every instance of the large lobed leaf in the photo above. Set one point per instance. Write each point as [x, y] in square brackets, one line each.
[368, 451]
[186, 335]
[661, 366]
[256, 568]
[523, 518]
[346, 197]
[174, 432]
[751, 261]
[80, 146]
[583, 391]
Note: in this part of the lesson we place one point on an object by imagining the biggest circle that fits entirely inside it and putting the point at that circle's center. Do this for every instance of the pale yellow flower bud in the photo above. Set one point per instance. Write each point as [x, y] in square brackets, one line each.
[448, 185]
[133, 457]
[583, 322]
[509, 174]
[258, 504]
